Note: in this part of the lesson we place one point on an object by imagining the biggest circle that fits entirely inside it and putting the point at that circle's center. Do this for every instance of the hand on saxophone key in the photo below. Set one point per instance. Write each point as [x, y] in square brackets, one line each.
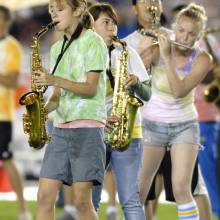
[110, 123]
[43, 79]
[131, 80]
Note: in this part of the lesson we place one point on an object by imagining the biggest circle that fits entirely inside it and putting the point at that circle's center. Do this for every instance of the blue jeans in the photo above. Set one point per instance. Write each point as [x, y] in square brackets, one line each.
[96, 196]
[126, 166]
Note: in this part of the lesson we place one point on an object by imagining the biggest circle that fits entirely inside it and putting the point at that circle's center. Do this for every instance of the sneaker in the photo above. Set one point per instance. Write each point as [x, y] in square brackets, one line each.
[25, 216]
[67, 216]
[112, 216]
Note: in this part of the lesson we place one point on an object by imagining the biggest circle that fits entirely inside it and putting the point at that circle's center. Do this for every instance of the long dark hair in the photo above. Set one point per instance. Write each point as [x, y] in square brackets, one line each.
[98, 8]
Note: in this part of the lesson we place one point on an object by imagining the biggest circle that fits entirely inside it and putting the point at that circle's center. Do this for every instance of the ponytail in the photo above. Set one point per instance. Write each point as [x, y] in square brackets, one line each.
[86, 20]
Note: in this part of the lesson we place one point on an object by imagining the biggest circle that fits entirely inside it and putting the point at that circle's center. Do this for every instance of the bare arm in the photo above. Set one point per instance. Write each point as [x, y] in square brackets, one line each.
[53, 101]
[150, 55]
[201, 66]
[181, 87]
[87, 88]
[9, 80]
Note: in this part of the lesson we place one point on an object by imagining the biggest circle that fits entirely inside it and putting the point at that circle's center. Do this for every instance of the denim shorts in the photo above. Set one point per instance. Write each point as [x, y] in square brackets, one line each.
[166, 134]
[75, 155]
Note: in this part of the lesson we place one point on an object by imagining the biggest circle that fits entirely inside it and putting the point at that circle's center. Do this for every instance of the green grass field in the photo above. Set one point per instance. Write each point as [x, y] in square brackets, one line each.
[8, 211]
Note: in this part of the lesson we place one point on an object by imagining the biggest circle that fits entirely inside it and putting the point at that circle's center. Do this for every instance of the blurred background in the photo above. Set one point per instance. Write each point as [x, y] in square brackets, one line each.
[28, 17]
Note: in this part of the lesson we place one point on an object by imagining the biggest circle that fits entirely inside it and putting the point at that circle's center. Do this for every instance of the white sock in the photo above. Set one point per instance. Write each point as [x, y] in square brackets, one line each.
[111, 209]
[70, 209]
[188, 211]
[154, 217]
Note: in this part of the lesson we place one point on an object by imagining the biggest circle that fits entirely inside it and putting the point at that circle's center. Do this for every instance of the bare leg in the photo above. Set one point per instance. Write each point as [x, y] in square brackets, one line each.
[153, 156]
[15, 181]
[109, 184]
[47, 193]
[159, 188]
[83, 200]
[68, 195]
[183, 157]
[69, 210]
[148, 207]
[204, 207]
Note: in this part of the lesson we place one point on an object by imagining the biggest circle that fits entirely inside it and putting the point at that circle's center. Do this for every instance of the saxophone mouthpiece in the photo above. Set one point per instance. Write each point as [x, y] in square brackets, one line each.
[52, 24]
[115, 38]
[118, 40]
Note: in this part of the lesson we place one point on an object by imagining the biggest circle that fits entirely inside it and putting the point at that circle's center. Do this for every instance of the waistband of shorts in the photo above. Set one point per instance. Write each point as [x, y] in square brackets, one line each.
[169, 124]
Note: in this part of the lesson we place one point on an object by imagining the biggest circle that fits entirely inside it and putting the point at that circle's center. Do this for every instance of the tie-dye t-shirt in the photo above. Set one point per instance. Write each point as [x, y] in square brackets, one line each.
[85, 54]
[10, 63]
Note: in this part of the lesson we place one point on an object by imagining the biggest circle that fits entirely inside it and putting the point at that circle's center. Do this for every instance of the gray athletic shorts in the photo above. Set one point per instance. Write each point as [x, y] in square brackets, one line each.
[75, 155]
[166, 134]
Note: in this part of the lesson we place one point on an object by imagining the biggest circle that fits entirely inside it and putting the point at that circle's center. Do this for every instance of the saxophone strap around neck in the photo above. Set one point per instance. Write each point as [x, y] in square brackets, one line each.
[74, 36]
[109, 72]
[64, 48]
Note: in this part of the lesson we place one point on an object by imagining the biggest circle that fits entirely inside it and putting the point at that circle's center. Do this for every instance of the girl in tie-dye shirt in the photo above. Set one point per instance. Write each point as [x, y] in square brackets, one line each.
[76, 152]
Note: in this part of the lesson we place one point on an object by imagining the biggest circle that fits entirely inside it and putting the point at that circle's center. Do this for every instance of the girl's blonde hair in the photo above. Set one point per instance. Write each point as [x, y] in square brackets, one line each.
[196, 13]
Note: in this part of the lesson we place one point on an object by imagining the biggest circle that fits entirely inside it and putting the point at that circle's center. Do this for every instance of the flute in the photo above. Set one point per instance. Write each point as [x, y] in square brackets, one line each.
[172, 42]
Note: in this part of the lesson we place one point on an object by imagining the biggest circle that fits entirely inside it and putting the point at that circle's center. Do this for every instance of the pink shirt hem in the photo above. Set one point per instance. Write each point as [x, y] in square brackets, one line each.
[81, 124]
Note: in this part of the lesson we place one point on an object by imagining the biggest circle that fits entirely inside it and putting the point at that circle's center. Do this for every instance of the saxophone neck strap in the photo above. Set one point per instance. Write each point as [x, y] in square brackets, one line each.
[74, 36]
[65, 46]
[109, 72]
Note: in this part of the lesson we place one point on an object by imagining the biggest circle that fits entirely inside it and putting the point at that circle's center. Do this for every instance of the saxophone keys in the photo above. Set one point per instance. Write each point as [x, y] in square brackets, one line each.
[26, 123]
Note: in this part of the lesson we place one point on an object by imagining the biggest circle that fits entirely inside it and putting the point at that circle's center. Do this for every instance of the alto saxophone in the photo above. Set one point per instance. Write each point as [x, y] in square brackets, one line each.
[125, 105]
[36, 115]
[154, 20]
[212, 91]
